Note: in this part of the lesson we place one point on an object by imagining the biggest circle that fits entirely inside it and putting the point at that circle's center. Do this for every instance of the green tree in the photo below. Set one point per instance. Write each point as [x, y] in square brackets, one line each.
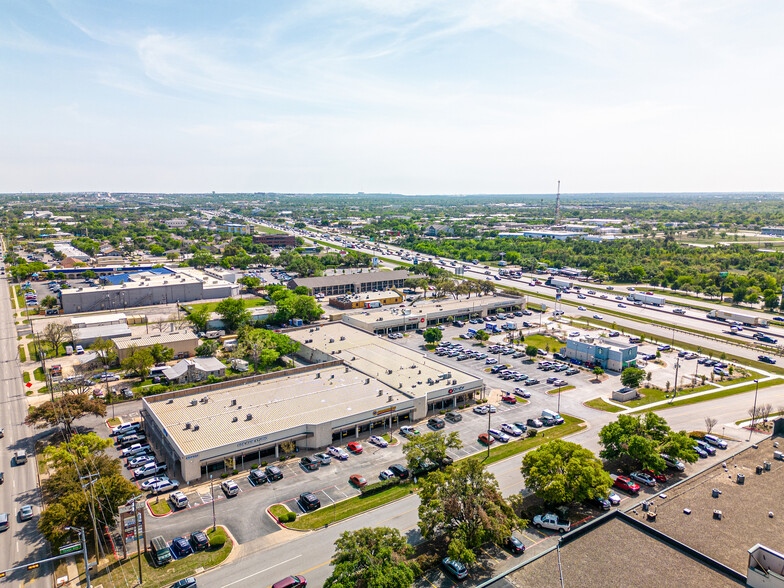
[531, 351]
[49, 301]
[432, 335]
[482, 335]
[161, 354]
[70, 504]
[463, 505]
[233, 313]
[139, 360]
[65, 409]
[642, 438]
[430, 446]
[207, 348]
[54, 334]
[632, 376]
[598, 371]
[561, 472]
[252, 283]
[372, 557]
[199, 317]
[157, 250]
[106, 350]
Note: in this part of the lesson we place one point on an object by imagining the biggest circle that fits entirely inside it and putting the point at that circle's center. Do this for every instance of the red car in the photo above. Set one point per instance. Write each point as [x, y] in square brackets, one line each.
[509, 399]
[357, 480]
[661, 478]
[291, 582]
[626, 485]
[355, 447]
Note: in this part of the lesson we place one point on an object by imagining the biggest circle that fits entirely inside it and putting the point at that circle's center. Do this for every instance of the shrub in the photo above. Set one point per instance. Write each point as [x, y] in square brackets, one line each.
[217, 539]
[234, 472]
[263, 464]
[224, 475]
[291, 516]
[531, 433]
[253, 466]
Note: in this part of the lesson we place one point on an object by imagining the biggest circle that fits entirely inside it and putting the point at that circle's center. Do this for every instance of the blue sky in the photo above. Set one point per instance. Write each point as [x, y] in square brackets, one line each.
[405, 96]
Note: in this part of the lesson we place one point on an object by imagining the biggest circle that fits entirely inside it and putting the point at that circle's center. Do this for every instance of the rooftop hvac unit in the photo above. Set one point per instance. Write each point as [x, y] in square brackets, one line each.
[367, 380]
[233, 402]
[248, 417]
[390, 398]
[205, 400]
[187, 425]
[454, 382]
[318, 375]
[331, 340]
[194, 402]
[389, 372]
[234, 419]
[195, 427]
[170, 401]
[342, 338]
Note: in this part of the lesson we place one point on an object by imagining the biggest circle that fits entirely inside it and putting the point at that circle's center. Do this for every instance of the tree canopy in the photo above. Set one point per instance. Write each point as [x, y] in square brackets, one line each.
[632, 376]
[433, 335]
[430, 446]
[65, 409]
[561, 472]
[642, 438]
[370, 558]
[463, 505]
[233, 313]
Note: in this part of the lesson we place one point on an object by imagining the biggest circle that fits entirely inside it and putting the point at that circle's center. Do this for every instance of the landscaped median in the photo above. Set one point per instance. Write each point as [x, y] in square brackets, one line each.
[330, 513]
[713, 395]
[601, 404]
[220, 548]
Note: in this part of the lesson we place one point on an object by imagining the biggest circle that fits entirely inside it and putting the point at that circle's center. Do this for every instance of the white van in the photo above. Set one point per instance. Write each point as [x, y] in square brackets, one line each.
[551, 414]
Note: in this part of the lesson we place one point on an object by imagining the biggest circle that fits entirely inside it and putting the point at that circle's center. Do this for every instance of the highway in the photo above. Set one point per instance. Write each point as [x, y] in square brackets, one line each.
[22, 542]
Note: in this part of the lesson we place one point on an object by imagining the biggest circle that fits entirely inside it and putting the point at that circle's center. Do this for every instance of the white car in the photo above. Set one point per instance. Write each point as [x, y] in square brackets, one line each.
[407, 431]
[386, 474]
[574, 334]
[581, 308]
[511, 430]
[338, 452]
[379, 441]
[164, 486]
[230, 487]
[598, 317]
[490, 407]
[498, 435]
[148, 484]
[522, 392]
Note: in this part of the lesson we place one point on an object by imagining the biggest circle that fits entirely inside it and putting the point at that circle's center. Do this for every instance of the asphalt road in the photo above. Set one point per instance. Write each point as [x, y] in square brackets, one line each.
[21, 542]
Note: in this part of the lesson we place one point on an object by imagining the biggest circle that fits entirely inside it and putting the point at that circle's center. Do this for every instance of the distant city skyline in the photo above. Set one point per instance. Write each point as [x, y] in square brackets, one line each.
[408, 97]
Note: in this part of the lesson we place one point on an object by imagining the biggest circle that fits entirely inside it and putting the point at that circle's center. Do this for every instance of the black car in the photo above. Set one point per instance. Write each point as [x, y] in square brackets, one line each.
[258, 477]
[309, 463]
[273, 473]
[181, 548]
[399, 471]
[308, 501]
[2, 477]
[436, 423]
[599, 503]
[199, 540]
[515, 545]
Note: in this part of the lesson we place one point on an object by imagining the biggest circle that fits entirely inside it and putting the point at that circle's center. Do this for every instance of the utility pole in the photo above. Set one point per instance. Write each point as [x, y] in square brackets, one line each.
[675, 389]
[90, 481]
[558, 410]
[212, 495]
[558, 203]
[754, 410]
[138, 547]
[489, 414]
[80, 532]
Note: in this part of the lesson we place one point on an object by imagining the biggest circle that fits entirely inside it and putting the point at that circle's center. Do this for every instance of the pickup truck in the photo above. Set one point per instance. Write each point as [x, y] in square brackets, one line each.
[149, 469]
[553, 522]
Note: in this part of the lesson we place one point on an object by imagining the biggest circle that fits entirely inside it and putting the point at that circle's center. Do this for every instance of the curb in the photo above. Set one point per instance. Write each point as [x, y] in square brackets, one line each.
[277, 520]
[157, 516]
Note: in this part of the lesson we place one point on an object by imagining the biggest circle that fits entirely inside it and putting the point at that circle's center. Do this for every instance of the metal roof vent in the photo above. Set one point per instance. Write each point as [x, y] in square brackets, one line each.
[234, 419]
[194, 402]
[248, 417]
[187, 425]
[195, 427]
[233, 402]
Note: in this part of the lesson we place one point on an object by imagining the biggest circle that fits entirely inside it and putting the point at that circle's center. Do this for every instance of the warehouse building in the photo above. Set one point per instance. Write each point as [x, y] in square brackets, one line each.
[145, 289]
[360, 384]
[366, 300]
[608, 354]
[183, 343]
[429, 313]
[352, 283]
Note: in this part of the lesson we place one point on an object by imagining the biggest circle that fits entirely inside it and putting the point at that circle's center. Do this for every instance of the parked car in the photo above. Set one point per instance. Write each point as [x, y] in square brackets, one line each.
[660, 478]
[323, 459]
[309, 463]
[455, 568]
[308, 501]
[499, 435]
[481, 409]
[535, 423]
[599, 502]
[700, 451]
[258, 477]
[673, 463]
[436, 423]
[766, 359]
[185, 583]
[485, 439]
[181, 547]
[378, 441]
[357, 480]
[511, 430]
[509, 399]
[515, 545]
[643, 478]
[706, 447]
[355, 447]
[716, 441]
[199, 540]
[399, 471]
[553, 522]
[337, 452]
[407, 431]
[230, 488]
[386, 474]
[625, 484]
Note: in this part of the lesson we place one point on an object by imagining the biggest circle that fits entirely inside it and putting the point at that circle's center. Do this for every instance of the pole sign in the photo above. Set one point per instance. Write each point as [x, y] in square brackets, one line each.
[70, 548]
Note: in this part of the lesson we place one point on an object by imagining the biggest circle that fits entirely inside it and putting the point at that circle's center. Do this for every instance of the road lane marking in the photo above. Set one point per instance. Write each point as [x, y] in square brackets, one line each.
[262, 571]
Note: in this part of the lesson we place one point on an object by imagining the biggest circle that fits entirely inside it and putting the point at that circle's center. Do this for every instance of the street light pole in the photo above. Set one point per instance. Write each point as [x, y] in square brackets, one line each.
[754, 410]
[80, 532]
[212, 494]
[558, 410]
[489, 414]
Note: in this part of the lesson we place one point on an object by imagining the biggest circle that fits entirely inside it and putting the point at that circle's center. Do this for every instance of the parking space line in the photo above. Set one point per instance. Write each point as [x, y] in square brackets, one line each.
[488, 555]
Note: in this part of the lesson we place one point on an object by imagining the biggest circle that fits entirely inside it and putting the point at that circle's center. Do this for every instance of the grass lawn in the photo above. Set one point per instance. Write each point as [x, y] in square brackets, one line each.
[347, 508]
[39, 375]
[32, 352]
[26, 377]
[278, 510]
[160, 507]
[561, 389]
[718, 394]
[600, 404]
[113, 422]
[653, 395]
[542, 342]
[262, 229]
[249, 303]
[22, 354]
[163, 576]
[388, 438]
[502, 451]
